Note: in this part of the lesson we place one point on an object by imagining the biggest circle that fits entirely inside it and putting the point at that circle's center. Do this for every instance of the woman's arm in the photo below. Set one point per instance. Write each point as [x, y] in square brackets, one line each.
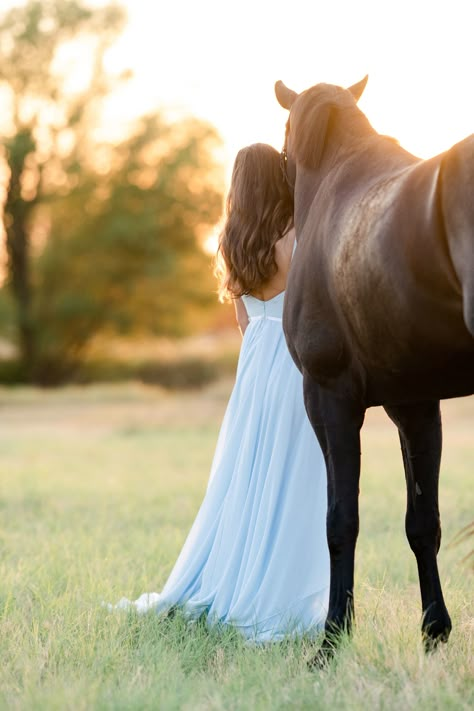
[241, 315]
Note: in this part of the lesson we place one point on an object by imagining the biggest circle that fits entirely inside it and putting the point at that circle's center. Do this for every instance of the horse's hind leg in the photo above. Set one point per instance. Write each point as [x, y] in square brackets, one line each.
[419, 427]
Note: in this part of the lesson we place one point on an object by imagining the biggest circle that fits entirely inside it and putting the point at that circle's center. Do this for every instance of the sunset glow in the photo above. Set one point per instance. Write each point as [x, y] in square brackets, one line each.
[220, 61]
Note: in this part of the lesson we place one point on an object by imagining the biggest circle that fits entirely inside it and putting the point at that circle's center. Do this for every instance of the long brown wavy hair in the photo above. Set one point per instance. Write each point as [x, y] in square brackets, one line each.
[259, 211]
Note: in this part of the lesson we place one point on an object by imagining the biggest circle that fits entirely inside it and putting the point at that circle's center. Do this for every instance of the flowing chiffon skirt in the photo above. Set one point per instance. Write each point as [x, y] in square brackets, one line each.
[256, 556]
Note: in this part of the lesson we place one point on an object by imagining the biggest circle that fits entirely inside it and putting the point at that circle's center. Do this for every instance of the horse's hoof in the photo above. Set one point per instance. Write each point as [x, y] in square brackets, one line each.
[323, 657]
[435, 631]
[431, 644]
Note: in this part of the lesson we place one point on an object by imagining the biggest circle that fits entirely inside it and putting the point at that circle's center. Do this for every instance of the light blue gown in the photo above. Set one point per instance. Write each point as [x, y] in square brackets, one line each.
[256, 556]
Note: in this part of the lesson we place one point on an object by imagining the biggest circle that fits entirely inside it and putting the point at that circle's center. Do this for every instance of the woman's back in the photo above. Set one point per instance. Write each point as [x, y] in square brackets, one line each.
[268, 301]
[283, 253]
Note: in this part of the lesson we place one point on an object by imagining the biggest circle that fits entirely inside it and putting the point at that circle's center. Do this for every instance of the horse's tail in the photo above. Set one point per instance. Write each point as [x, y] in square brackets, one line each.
[457, 201]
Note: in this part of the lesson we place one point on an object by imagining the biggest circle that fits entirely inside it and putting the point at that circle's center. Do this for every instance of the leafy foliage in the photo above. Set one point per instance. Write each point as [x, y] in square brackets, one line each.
[123, 253]
[100, 237]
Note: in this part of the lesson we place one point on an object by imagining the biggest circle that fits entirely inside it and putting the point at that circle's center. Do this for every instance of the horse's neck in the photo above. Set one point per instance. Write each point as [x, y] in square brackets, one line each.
[339, 149]
[358, 165]
[307, 184]
[371, 156]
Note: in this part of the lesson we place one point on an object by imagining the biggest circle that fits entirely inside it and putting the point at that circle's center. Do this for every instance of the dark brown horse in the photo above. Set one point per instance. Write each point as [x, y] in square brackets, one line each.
[379, 311]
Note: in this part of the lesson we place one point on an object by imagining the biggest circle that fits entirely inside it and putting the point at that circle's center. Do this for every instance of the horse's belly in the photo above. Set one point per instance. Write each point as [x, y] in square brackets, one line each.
[453, 378]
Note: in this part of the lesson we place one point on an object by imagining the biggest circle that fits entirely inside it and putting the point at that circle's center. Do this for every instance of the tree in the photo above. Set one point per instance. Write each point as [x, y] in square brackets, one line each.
[40, 112]
[123, 253]
[97, 236]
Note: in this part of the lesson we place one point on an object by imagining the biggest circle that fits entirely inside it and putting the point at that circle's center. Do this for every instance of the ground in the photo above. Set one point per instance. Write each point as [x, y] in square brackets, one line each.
[99, 487]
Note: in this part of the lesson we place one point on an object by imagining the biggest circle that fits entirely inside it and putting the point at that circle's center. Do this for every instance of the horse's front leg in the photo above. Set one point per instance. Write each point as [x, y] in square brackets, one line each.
[337, 425]
[419, 427]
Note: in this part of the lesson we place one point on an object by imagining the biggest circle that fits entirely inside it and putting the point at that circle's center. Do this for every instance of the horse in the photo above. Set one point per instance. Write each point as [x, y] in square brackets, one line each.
[379, 310]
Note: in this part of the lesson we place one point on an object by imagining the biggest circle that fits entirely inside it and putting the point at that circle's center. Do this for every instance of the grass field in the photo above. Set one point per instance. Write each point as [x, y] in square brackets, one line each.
[98, 489]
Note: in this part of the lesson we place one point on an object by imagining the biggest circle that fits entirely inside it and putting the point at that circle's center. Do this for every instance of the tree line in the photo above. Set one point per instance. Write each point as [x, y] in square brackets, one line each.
[99, 237]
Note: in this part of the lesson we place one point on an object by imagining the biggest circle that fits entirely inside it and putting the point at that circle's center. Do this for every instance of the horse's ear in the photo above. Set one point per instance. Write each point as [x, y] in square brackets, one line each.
[357, 89]
[284, 95]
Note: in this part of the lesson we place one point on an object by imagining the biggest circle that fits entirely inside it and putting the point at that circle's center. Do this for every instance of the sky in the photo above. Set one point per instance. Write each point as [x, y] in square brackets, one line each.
[219, 60]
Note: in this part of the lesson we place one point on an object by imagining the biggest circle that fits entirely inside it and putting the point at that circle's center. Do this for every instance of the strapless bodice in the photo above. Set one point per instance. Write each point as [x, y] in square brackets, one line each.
[271, 309]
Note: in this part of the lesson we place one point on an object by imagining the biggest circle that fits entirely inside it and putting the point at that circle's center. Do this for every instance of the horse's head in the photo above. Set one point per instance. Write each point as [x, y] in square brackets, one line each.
[311, 114]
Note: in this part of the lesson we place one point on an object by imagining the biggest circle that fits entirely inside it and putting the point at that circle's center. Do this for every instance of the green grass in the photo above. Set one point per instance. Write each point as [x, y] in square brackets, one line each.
[98, 489]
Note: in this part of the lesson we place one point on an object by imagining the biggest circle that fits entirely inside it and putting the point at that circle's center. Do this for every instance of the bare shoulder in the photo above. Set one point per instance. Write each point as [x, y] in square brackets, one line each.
[284, 250]
[283, 254]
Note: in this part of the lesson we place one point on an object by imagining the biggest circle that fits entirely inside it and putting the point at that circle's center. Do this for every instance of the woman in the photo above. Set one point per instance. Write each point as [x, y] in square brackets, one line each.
[256, 556]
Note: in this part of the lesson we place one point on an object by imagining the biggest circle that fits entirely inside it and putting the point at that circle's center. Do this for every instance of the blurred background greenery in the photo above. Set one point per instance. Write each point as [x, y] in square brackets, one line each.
[103, 263]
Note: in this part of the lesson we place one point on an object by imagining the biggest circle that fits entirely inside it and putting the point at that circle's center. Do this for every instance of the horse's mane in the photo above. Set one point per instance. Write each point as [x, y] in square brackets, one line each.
[316, 115]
